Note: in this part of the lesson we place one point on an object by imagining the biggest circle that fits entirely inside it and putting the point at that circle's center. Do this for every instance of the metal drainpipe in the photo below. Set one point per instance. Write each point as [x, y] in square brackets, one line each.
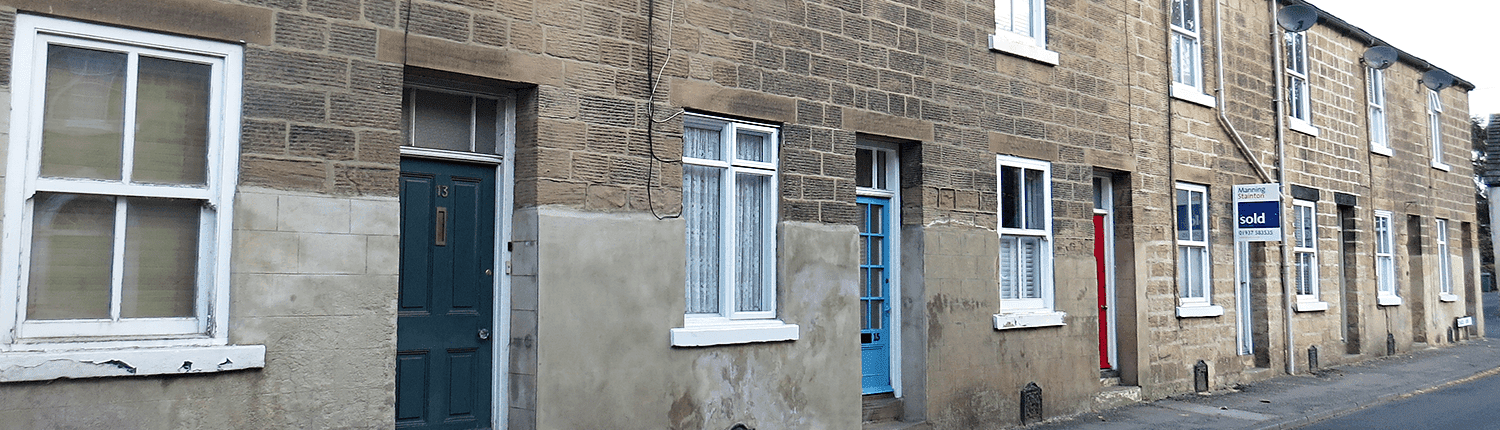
[1223, 101]
[1286, 289]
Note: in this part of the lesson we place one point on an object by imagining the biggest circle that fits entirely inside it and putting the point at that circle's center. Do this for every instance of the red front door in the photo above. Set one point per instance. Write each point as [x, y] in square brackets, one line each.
[1099, 268]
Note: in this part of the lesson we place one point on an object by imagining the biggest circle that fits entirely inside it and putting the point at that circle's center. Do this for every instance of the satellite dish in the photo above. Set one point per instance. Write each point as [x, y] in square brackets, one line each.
[1379, 57]
[1437, 79]
[1297, 17]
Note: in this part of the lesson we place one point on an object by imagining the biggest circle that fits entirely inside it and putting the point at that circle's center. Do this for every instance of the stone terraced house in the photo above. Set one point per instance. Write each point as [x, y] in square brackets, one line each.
[708, 214]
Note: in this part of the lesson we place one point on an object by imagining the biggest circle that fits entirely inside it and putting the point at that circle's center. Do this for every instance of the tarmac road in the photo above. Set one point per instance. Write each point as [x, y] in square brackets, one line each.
[1472, 405]
[1475, 405]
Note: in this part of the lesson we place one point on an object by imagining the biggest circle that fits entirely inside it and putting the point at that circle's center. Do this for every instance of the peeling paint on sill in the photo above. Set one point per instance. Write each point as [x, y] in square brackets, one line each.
[49, 365]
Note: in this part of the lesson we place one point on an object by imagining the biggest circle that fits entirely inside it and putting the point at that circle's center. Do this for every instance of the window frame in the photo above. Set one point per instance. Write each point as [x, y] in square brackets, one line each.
[1190, 91]
[1185, 296]
[1299, 109]
[1435, 129]
[1387, 286]
[1023, 312]
[33, 358]
[1033, 43]
[730, 326]
[34, 34]
[1445, 263]
[1305, 245]
[1375, 100]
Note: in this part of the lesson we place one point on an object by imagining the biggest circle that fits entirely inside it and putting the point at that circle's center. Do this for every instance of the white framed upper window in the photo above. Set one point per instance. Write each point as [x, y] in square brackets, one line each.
[1021, 29]
[117, 221]
[1025, 229]
[1305, 249]
[1445, 264]
[1385, 261]
[1299, 93]
[729, 182]
[1194, 283]
[1435, 128]
[1375, 97]
[1187, 53]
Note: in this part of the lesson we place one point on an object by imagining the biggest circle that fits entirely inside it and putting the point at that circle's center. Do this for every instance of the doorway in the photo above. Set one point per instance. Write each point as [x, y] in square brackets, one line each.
[879, 238]
[1104, 263]
[453, 300]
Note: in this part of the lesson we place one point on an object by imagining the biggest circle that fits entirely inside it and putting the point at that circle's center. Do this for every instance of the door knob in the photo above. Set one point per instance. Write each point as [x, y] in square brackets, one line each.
[484, 334]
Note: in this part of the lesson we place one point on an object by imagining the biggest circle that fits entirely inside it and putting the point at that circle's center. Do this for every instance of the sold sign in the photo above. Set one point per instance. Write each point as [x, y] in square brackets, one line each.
[1257, 212]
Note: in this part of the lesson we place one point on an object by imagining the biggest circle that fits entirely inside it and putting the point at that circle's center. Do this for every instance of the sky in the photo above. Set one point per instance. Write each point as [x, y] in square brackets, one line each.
[1451, 34]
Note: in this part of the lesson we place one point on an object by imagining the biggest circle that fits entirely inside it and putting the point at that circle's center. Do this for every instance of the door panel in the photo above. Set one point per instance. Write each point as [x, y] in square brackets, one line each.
[443, 367]
[1101, 265]
[874, 301]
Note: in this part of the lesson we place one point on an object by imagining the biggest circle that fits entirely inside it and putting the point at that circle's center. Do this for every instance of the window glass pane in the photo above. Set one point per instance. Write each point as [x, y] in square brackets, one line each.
[1177, 13]
[171, 117]
[1020, 17]
[1036, 199]
[161, 258]
[84, 117]
[1198, 229]
[702, 189]
[753, 146]
[1010, 197]
[1008, 288]
[1190, 15]
[72, 241]
[880, 173]
[864, 168]
[702, 143]
[444, 121]
[486, 125]
[1098, 193]
[1031, 270]
[753, 212]
[1184, 220]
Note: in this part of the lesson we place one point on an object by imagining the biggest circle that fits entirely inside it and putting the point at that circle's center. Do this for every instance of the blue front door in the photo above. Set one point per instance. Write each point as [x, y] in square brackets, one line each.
[874, 300]
[443, 326]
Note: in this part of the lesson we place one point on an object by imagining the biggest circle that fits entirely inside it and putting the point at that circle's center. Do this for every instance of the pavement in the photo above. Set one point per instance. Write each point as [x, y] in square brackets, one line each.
[1293, 401]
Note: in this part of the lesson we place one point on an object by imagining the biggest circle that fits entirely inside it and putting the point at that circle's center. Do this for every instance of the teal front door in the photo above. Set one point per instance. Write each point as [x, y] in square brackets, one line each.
[874, 300]
[443, 327]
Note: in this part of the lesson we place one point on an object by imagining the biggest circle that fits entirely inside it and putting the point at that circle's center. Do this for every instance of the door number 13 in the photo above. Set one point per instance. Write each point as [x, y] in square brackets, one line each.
[442, 191]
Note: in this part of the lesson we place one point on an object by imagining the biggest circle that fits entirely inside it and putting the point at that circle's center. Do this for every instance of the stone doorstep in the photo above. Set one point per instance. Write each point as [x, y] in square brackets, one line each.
[882, 408]
[1116, 396]
[896, 425]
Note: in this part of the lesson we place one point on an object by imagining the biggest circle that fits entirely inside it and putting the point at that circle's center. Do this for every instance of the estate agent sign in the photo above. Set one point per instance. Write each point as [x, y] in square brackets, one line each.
[1257, 213]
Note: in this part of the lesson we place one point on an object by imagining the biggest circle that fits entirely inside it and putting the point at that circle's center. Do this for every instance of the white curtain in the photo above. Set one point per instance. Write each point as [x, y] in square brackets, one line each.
[701, 191]
[751, 249]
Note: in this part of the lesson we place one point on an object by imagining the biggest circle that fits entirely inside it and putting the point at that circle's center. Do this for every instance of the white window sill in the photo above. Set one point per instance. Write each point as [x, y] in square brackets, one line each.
[1388, 300]
[1380, 149]
[1447, 298]
[1023, 47]
[49, 365]
[1192, 95]
[734, 332]
[1015, 320]
[1310, 306]
[1199, 311]
[1443, 167]
[1301, 126]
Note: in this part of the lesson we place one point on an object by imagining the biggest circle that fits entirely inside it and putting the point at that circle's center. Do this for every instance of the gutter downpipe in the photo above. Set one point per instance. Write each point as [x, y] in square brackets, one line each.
[1223, 102]
[1286, 290]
